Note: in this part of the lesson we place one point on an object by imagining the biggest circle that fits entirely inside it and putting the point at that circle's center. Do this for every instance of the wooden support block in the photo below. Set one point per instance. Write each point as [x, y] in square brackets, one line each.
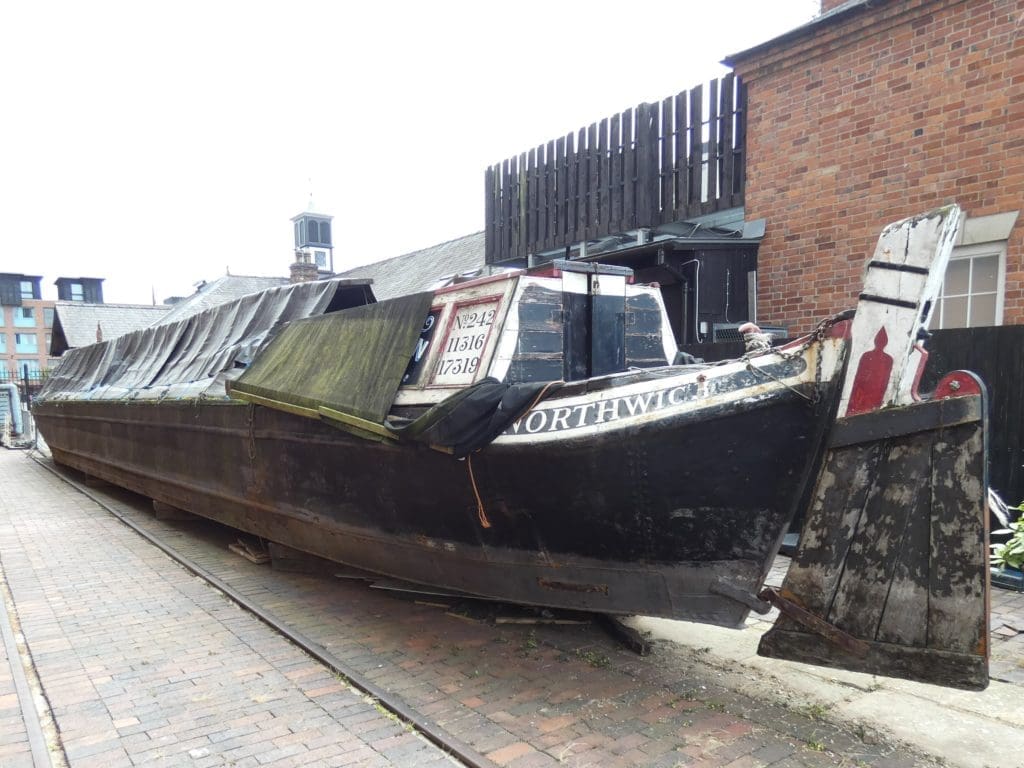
[251, 552]
[164, 511]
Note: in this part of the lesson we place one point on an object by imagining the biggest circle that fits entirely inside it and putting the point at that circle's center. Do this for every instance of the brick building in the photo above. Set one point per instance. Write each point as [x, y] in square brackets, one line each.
[879, 110]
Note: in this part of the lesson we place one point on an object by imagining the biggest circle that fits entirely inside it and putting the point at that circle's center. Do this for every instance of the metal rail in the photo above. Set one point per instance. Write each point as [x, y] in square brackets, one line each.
[429, 730]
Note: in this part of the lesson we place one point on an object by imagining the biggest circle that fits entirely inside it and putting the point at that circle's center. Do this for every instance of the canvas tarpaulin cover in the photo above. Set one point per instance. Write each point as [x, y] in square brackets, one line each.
[350, 361]
[193, 357]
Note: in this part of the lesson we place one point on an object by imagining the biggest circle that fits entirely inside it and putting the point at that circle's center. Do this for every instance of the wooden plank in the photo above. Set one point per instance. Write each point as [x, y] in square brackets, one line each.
[629, 172]
[728, 117]
[680, 168]
[904, 619]
[710, 198]
[839, 497]
[582, 178]
[901, 485]
[604, 180]
[666, 201]
[518, 174]
[506, 208]
[530, 225]
[740, 142]
[572, 190]
[615, 158]
[549, 168]
[490, 223]
[957, 608]
[559, 197]
[957, 670]
[593, 182]
[696, 153]
[647, 179]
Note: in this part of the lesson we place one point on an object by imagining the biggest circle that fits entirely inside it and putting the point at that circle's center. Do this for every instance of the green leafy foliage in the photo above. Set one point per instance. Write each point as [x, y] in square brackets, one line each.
[1010, 554]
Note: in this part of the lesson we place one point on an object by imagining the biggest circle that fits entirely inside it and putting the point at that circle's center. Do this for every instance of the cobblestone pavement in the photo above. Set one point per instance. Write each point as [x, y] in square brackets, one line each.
[143, 664]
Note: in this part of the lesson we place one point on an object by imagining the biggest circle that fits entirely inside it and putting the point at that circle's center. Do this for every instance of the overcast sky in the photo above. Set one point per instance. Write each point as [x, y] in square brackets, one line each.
[159, 144]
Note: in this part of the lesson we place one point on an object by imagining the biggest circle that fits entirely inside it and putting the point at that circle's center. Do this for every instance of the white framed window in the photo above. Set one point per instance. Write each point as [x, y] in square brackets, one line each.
[972, 291]
[26, 288]
[77, 292]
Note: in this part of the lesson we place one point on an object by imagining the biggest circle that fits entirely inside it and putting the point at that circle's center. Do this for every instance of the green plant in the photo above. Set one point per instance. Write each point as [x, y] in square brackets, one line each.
[1010, 554]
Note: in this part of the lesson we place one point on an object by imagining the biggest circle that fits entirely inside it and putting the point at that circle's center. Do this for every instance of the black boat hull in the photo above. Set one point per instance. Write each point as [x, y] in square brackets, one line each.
[678, 518]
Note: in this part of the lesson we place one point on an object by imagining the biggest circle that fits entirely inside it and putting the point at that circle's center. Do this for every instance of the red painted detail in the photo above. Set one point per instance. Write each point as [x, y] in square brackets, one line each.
[957, 384]
[914, 394]
[874, 370]
[840, 330]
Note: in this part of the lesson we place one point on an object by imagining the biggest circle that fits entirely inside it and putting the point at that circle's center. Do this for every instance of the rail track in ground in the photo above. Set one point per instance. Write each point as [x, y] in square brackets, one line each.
[453, 747]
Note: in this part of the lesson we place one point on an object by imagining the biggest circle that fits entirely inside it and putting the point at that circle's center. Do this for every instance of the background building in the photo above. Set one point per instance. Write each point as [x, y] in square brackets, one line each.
[875, 111]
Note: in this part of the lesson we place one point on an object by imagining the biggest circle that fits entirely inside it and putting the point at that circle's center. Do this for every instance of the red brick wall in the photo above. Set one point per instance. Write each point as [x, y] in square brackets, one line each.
[889, 112]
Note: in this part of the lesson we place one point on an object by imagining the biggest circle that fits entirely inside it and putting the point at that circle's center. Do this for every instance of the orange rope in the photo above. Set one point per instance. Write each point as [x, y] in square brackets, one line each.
[481, 513]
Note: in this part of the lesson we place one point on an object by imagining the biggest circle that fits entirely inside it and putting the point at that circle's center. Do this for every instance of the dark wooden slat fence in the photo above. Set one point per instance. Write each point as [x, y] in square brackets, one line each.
[644, 167]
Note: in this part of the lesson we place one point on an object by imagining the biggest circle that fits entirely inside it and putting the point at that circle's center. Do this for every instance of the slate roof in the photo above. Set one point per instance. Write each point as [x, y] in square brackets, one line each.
[424, 269]
[75, 323]
[227, 288]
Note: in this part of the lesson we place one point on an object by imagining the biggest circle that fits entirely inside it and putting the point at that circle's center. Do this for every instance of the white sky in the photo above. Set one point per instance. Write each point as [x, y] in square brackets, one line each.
[157, 144]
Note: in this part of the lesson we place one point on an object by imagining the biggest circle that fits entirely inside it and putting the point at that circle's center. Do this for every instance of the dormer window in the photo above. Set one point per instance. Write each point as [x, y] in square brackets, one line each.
[26, 289]
[77, 292]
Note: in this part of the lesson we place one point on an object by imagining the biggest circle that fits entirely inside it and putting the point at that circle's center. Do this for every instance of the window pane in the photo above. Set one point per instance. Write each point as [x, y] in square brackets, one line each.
[954, 312]
[957, 276]
[48, 317]
[983, 309]
[986, 274]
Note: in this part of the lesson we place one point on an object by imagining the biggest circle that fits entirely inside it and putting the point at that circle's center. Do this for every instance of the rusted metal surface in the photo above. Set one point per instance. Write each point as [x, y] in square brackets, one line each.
[814, 623]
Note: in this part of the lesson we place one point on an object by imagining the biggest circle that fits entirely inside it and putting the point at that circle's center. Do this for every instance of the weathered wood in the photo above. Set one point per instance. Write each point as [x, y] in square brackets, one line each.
[550, 167]
[680, 166]
[901, 279]
[169, 512]
[957, 609]
[630, 180]
[593, 184]
[580, 178]
[604, 208]
[696, 152]
[559, 199]
[956, 670]
[709, 196]
[666, 172]
[615, 158]
[740, 142]
[843, 485]
[900, 487]
[531, 201]
[727, 148]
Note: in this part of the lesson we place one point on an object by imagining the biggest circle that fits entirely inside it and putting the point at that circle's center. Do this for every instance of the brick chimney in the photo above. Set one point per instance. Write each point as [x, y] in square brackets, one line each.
[303, 269]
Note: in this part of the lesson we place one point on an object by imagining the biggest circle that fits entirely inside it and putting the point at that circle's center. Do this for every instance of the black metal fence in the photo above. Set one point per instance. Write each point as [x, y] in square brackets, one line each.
[29, 382]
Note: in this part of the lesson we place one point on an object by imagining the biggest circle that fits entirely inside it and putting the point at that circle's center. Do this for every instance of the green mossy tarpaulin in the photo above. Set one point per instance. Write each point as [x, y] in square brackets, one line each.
[351, 361]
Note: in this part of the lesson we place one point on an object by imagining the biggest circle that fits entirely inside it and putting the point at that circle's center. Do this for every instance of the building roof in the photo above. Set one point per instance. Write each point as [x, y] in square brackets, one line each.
[227, 288]
[841, 11]
[77, 324]
[424, 269]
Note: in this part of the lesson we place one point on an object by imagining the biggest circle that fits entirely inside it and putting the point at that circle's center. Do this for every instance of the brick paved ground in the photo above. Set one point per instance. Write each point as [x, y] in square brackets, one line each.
[144, 663]
[14, 747]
